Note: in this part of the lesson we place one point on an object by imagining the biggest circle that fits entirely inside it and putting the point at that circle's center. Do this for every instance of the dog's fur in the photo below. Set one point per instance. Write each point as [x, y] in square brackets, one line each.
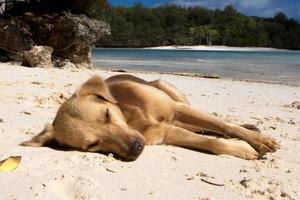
[123, 113]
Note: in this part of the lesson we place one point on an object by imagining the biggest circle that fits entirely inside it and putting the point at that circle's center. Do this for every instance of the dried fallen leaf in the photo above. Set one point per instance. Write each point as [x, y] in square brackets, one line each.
[245, 182]
[36, 83]
[291, 122]
[212, 183]
[110, 170]
[26, 113]
[173, 158]
[10, 163]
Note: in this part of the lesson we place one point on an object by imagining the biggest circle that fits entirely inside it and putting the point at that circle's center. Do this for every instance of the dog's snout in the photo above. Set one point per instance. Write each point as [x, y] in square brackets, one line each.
[136, 149]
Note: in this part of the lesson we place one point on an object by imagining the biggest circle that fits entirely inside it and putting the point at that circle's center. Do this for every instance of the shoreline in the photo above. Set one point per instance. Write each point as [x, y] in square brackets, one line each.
[196, 75]
[280, 67]
[216, 48]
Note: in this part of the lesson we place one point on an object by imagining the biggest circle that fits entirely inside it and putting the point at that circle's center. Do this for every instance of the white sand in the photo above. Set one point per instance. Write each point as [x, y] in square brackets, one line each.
[30, 97]
[215, 48]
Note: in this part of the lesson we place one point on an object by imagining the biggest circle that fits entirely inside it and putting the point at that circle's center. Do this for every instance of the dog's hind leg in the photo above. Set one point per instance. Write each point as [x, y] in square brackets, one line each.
[192, 128]
[187, 115]
[181, 137]
[177, 96]
[170, 90]
[201, 130]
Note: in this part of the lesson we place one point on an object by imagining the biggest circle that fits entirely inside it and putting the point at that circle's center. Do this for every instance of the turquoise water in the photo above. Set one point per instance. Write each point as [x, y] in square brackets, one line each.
[267, 66]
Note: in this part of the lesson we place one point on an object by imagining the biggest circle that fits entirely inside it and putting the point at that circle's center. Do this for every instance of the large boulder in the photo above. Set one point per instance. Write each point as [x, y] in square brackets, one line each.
[38, 56]
[15, 38]
[71, 36]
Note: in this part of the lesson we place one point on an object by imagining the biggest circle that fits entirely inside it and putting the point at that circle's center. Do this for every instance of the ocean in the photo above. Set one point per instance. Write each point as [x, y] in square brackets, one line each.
[263, 66]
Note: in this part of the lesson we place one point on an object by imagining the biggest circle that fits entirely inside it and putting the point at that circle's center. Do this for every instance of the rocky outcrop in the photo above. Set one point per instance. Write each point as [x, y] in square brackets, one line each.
[38, 56]
[15, 38]
[70, 36]
[64, 63]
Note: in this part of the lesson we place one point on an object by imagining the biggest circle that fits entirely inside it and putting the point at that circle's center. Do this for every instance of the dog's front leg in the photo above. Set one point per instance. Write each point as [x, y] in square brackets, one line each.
[186, 114]
[181, 137]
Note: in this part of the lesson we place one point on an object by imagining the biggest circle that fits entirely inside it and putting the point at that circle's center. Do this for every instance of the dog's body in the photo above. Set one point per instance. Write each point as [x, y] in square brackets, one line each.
[123, 113]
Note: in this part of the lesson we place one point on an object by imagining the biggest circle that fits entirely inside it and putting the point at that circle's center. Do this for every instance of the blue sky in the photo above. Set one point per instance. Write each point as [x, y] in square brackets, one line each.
[263, 8]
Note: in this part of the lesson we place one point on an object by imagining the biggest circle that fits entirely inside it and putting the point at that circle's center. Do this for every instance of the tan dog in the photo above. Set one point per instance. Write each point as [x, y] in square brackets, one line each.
[123, 113]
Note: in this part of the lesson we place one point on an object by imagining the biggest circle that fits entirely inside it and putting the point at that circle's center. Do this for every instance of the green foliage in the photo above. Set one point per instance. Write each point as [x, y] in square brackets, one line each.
[138, 26]
[92, 8]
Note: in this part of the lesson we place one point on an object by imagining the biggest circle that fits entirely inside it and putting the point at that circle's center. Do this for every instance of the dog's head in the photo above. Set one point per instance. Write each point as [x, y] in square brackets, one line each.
[91, 120]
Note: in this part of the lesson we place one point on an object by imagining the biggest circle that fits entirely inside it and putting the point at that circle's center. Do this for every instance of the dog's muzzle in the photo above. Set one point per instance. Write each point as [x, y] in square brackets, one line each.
[136, 149]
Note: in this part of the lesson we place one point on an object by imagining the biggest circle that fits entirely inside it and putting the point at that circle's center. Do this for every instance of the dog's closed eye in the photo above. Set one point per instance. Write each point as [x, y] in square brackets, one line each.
[92, 145]
[98, 98]
[107, 115]
[101, 98]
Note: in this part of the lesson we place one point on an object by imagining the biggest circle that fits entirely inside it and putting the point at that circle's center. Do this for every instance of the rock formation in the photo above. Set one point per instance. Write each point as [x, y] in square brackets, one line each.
[70, 36]
[38, 56]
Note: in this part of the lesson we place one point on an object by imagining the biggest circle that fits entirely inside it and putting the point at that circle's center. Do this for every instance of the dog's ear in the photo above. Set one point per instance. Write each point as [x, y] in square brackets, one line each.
[42, 139]
[96, 86]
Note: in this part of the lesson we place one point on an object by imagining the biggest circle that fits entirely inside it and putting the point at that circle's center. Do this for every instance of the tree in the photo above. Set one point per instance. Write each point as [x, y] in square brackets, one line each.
[139, 26]
[230, 11]
[281, 18]
[198, 34]
[206, 33]
[211, 35]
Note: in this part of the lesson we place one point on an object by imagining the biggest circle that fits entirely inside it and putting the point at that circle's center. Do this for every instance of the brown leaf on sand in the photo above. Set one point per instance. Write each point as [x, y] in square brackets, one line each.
[291, 122]
[245, 182]
[10, 163]
[26, 113]
[296, 104]
[36, 83]
[110, 170]
[212, 183]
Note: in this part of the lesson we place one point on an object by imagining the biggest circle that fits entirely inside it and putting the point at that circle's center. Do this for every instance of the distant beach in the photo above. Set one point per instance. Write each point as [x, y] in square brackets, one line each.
[215, 48]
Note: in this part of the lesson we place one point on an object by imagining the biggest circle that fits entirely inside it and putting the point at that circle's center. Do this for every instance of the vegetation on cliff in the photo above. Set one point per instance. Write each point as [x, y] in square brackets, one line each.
[138, 26]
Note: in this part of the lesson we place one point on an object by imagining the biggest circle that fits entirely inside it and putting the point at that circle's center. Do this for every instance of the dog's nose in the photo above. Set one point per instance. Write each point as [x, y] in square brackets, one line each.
[136, 149]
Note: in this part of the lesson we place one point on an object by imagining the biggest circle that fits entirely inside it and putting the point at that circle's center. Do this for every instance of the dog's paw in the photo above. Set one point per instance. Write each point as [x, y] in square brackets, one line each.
[264, 144]
[239, 148]
[242, 149]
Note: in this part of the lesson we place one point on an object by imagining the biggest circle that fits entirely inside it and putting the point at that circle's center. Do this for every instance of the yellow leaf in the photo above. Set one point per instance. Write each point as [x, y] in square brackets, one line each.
[10, 163]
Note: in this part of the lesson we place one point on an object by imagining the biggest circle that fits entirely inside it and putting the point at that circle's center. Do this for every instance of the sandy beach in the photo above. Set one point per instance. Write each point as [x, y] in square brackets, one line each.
[215, 48]
[30, 97]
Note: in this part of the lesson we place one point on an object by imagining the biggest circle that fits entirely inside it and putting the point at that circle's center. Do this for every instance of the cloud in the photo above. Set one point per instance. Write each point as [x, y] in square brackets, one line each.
[204, 3]
[249, 4]
[254, 4]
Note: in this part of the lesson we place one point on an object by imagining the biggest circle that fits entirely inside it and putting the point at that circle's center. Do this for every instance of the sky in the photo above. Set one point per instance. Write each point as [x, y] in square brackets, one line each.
[262, 8]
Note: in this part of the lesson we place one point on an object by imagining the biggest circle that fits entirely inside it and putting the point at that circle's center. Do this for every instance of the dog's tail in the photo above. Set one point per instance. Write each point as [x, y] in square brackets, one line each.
[43, 138]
